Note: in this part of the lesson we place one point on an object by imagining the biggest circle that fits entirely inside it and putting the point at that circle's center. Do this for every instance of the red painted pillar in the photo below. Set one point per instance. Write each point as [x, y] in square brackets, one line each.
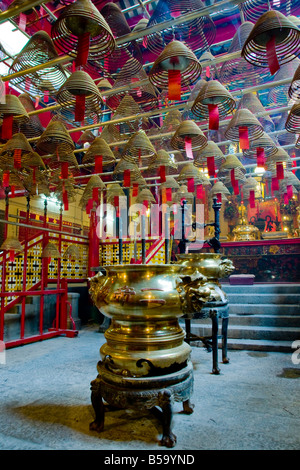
[93, 244]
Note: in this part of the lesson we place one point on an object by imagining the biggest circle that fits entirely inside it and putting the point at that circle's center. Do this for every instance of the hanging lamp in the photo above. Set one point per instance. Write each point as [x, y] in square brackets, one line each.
[176, 67]
[213, 102]
[81, 31]
[273, 41]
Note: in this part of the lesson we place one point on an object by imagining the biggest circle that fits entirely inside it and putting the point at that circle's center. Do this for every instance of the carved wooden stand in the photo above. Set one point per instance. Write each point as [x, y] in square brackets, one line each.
[142, 392]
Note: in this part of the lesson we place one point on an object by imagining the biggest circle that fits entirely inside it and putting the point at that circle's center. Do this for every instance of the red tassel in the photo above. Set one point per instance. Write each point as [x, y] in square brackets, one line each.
[236, 188]
[79, 108]
[96, 194]
[274, 184]
[116, 204]
[174, 84]
[200, 191]
[260, 154]
[294, 164]
[17, 158]
[98, 164]
[252, 198]
[7, 127]
[83, 46]
[12, 189]
[126, 182]
[46, 96]
[285, 198]
[5, 179]
[272, 56]
[232, 177]
[244, 137]
[64, 170]
[188, 147]
[289, 190]
[279, 171]
[207, 72]
[162, 173]
[219, 197]
[169, 194]
[211, 166]
[65, 199]
[11, 255]
[22, 21]
[213, 113]
[191, 185]
[135, 189]
[164, 196]
[89, 206]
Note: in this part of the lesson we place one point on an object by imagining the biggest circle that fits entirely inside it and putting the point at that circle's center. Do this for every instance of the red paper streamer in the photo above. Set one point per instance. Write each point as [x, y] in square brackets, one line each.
[12, 189]
[200, 191]
[294, 164]
[272, 56]
[213, 117]
[126, 182]
[11, 255]
[260, 155]
[89, 206]
[64, 170]
[252, 198]
[79, 108]
[5, 179]
[244, 137]
[7, 125]
[279, 171]
[236, 188]
[98, 164]
[211, 166]
[219, 197]
[285, 198]
[232, 177]
[289, 190]
[162, 173]
[65, 199]
[188, 147]
[191, 185]
[46, 96]
[274, 184]
[169, 194]
[83, 46]
[207, 72]
[135, 189]
[174, 84]
[17, 158]
[96, 194]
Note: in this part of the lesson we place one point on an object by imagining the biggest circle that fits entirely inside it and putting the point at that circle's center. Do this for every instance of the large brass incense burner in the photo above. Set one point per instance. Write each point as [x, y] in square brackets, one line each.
[145, 361]
[213, 266]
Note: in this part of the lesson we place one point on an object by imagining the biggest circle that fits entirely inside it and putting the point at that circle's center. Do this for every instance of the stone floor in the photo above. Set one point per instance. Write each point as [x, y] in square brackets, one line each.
[45, 402]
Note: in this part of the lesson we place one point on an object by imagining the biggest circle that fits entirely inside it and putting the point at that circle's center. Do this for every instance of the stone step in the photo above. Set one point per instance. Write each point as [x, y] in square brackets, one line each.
[265, 309]
[270, 333]
[262, 288]
[255, 298]
[261, 345]
[259, 320]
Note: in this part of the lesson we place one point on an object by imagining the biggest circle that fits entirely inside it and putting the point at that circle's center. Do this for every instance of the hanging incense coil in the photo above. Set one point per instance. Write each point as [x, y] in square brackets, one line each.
[51, 251]
[94, 182]
[252, 102]
[72, 253]
[291, 178]
[210, 70]
[61, 156]
[99, 147]
[145, 195]
[232, 162]
[175, 56]
[170, 183]
[138, 145]
[227, 176]
[124, 165]
[32, 128]
[12, 244]
[293, 121]
[65, 187]
[190, 171]
[87, 137]
[212, 93]
[138, 180]
[80, 86]
[219, 188]
[188, 129]
[55, 134]
[79, 19]
[129, 77]
[183, 194]
[238, 72]
[211, 150]
[196, 34]
[38, 50]
[279, 95]
[110, 134]
[294, 89]
[279, 156]
[243, 118]
[264, 142]
[104, 85]
[18, 153]
[253, 9]
[272, 25]
[114, 190]
[162, 159]
[13, 107]
[128, 107]
[36, 183]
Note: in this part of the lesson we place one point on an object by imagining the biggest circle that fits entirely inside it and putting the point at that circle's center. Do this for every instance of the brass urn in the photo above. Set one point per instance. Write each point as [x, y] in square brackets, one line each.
[145, 360]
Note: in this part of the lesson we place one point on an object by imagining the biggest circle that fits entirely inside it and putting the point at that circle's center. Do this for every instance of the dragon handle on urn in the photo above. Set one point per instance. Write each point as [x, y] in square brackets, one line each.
[226, 267]
[96, 290]
[193, 292]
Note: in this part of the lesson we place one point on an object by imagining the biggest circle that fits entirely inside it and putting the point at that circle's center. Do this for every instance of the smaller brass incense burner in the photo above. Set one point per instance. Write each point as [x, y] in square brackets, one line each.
[145, 361]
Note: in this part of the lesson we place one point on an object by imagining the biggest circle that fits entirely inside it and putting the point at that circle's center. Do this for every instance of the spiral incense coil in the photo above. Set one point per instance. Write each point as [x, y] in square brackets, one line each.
[63, 155]
[72, 253]
[128, 107]
[232, 162]
[138, 145]
[252, 102]
[253, 9]
[124, 165]
[264, 142]
[65, 186]
[99, 147]
[145, 195]
[190, 171]
[294, 89]
[219, 188]
[280, 95]
[104, 85]
[188, 129]
[77, 19]
[210, 150]
[12, 244]
[38, 50]
[55, 134]
[94, 182]
[114, 190]
[14, 107]
[280, 156]
[32, 128]
[199, 33]
[293, 121]
[110, 134]
[238, 72]
[162, 158]
[80, 84]
[245, 119]
[213, 93]
[175, 56]
[51, 251]
[272, 24]
[170, 183]
[210, 71]
[183, 193]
